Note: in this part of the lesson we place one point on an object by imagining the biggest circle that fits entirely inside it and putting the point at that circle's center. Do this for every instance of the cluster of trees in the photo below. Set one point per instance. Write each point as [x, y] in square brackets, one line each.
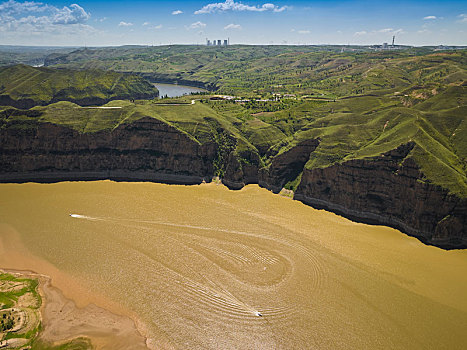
[7, 322]
[268, 106]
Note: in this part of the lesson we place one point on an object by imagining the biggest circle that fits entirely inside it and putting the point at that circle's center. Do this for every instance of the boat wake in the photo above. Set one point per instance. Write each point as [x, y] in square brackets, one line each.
[78, 216]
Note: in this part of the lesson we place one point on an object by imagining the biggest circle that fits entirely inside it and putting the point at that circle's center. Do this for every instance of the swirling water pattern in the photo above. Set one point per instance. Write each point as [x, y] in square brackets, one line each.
[208, 268]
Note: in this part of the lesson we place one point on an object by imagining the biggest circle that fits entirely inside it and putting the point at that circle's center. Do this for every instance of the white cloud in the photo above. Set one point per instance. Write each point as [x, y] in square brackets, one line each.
[125, 24]
[12, 7]
[463, 17]
[303, 32]
[149, 26]
[390, 31]
[71, 15]
[177, 12]
[424, 31]
[196, 25]
[385, 30]
[12, 11]
[36, 17]
[233, 26]
[103, 19]
[231, 5]
[429, 17]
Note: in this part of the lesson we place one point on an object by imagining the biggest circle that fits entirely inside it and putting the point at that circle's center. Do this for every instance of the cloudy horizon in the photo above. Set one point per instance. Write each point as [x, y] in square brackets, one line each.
[109, 23]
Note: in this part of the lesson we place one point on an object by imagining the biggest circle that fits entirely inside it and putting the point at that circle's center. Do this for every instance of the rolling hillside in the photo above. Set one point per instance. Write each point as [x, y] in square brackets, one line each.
[315, 71]
[25, 86]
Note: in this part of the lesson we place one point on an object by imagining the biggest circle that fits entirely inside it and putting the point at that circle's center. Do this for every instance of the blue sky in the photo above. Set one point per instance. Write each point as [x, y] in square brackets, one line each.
[102, 23]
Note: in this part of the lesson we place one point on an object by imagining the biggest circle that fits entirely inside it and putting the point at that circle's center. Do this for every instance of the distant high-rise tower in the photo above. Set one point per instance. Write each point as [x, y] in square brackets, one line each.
[226, 43]
[219, 42]
[393, 38]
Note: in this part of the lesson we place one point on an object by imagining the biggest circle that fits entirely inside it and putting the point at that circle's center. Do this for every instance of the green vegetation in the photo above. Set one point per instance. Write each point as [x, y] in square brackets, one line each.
[24, 86]
[7, 321]
[359, 104]
[313, 71]
[19, 310]
[31, 55]
[20, 322]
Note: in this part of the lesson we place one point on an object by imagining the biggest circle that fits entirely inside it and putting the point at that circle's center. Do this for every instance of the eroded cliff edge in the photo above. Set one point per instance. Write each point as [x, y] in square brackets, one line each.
[389, 189]
[147, 150]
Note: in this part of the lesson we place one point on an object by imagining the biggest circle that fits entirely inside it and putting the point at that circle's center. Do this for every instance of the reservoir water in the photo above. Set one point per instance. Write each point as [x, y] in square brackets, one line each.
[202, 267]
[173, 90]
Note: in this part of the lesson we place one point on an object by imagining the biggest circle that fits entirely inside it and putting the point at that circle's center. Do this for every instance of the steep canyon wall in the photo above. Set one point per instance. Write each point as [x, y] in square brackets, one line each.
[388, 189]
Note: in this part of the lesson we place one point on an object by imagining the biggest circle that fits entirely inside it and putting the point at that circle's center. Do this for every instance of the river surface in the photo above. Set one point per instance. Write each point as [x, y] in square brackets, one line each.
[173, 90]
[203, 267]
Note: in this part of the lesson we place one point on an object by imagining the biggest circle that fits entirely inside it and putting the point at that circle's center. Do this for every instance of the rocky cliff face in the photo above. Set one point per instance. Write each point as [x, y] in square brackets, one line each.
[147, 149]
[287, 166]
[388, 190]
[382, 190]
[284, 167]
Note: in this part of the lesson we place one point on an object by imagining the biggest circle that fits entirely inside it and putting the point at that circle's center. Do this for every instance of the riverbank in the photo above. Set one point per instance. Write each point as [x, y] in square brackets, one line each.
[61, 322]
[69, 314]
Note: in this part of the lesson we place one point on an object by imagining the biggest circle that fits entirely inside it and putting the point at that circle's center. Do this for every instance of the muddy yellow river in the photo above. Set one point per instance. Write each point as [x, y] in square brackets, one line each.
[204, 267]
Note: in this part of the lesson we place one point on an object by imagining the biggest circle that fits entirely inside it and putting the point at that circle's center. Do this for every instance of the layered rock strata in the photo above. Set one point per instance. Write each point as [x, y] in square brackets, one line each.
[389, 189]
[147, 149]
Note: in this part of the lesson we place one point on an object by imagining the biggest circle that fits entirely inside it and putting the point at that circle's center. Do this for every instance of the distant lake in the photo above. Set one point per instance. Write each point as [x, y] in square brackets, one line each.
[172, 90]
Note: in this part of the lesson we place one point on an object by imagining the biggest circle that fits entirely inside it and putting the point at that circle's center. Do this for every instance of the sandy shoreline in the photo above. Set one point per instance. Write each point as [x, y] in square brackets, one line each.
[63, 320]
[68, 310]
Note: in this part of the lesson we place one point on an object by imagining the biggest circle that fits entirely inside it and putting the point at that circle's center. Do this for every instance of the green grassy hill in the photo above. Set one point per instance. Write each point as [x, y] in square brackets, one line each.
[352, 128]
[262, 70]
[359, 104]
[31, 55]
[25, 86]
